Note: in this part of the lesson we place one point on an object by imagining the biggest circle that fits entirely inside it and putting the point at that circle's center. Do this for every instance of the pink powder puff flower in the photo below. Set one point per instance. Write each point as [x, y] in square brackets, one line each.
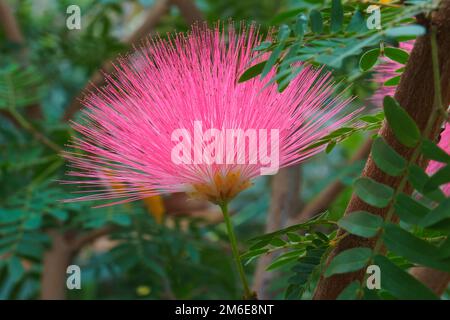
[127, 129]
[385, 71]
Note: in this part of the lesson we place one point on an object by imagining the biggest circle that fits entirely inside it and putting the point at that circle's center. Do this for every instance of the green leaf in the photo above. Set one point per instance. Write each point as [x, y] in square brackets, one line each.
[372, 118]
[283, 34]
[260, 244]
[272, 60]
[412, 248]
[153, 265]
[316, 21]
[439, 217]
[263, 46]
[357, 23]
[401, 284]
[281, 262]
[406, 31]
[11, 215]
[300, 24]
[121, 219]
[340, 53]
[30, 250]
[330, 146]
[59, 214]
[250, 255]
[293, 237]
[403, 126]
[319, 220]
[361, 223]
[19, 86]
[307, 266]
[418, 178]
[368, 59]
[351, 292]
[431, 151]
[15, 268]
[396, 54]
[252, 72]
[337, 16]
[34, 222]
[340, 132]
[392, 82]
[277, 242]
[441, 177]
[283, 83]
[285, 15]
[348, 261]
[387, 159]
[410, 210]
[374, 193]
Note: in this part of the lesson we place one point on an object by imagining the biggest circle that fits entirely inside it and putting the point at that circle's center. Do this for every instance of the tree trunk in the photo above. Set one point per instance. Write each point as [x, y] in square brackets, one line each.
[9, 23]
[56, 261]
[434, 279]
[415, 93]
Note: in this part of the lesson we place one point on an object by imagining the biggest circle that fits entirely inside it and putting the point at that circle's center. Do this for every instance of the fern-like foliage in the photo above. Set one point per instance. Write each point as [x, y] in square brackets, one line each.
[19, 86]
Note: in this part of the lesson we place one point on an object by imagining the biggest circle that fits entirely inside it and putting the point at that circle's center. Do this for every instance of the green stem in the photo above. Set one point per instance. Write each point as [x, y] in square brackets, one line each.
[24, 122]
[248, 295]
[437, 75]
[29, 127]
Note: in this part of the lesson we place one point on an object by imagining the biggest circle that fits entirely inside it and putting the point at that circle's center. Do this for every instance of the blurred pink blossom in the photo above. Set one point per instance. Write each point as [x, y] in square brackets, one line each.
[385, 71]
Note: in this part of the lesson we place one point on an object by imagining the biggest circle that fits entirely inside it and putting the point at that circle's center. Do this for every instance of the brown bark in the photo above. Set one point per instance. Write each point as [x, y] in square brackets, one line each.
[65, 246]
[324, 199]
[56, 261]
[416, 94]
[188, 10]
[434, 279]
[78, 243]
[284, 203]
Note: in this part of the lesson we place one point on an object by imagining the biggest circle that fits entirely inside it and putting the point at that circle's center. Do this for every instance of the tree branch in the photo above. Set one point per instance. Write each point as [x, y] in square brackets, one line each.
[189, 11]
[85, 239]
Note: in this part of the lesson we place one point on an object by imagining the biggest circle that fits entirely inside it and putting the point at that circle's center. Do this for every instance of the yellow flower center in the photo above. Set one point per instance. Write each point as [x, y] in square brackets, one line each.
[222, 188]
